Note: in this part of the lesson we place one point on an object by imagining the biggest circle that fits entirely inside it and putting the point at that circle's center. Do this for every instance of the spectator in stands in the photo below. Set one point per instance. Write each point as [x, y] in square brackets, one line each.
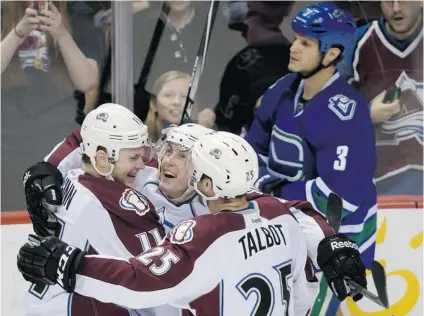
[39, 37]
[363, 11]
[389, 51]
[178, 46]
[256, 67]
[167, 103]
[41, 64]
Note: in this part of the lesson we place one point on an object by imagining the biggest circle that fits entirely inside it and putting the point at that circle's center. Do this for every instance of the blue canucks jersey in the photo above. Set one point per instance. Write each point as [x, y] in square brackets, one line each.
[326, 145]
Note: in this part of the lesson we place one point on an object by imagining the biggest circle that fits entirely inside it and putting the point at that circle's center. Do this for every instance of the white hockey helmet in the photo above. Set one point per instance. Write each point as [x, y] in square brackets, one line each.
[185, 136]
[228, 160]
[113, 127]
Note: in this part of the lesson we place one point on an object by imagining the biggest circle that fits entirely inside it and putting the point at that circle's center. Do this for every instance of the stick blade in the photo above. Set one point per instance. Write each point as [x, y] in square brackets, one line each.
[334, 211]
[380, 281]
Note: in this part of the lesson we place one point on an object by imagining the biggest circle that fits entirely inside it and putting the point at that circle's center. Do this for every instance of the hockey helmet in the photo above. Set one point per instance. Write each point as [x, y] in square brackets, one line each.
[113, 127]
[329, 24]
[184, 136]
[228, 160]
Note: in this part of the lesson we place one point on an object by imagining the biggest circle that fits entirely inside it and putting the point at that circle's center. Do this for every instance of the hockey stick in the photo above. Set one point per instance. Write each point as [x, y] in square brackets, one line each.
[334, 211]
[199, 61]
[334, 218]
[379, 277]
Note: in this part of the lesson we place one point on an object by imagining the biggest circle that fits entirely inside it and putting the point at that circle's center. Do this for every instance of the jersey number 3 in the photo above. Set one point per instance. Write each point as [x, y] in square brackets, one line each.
[340, 162]
[264, 290]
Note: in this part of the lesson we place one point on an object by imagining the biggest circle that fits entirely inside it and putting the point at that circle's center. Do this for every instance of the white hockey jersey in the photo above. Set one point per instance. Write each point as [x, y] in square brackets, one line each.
[211, 265]
[101, 217]
[171, 214]
[68, 155]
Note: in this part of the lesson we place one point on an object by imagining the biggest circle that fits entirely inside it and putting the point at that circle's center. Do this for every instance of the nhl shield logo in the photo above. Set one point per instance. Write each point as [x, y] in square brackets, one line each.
[183, 232]
[132, 200]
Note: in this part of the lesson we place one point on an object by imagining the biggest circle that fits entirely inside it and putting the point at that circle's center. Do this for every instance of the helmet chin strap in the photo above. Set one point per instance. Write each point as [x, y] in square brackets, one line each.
[107, 175]
[309, 74]
[187, 195]
[205, 197]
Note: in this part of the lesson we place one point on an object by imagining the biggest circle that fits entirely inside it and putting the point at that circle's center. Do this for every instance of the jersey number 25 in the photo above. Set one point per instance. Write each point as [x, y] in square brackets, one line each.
[260, 284]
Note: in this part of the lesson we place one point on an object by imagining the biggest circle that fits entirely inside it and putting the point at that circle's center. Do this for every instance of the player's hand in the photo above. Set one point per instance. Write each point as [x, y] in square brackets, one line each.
[50, 261]
[269, 184]
[380, 111]
[339, 258]
[42, 184]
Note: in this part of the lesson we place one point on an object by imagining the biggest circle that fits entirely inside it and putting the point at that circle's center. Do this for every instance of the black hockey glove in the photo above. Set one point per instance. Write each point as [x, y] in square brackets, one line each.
[42, 184]
[50, 261]
[270, 185]
[339, 258]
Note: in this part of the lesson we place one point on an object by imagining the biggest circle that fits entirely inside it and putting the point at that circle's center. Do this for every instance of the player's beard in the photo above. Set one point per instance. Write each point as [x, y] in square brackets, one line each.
[305, 73]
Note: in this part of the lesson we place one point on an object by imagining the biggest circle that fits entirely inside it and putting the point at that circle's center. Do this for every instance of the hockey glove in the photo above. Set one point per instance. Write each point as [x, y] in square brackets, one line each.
[50, 261]
[270, 184]
[42, 184]
[339, 258]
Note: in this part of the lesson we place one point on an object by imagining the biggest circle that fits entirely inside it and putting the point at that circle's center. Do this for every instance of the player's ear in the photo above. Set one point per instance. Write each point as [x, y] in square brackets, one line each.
[102, 161]
[331, 55]
[206, 186]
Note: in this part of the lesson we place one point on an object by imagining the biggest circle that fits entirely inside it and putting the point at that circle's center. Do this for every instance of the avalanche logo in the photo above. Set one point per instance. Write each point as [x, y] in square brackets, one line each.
[132, 200]
[183, 232]
[342, 106]
[408, 124]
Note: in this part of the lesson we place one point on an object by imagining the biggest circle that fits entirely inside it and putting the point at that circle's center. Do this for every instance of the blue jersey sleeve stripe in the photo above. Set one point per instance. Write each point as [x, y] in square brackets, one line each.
[325, 190]
[356, 225]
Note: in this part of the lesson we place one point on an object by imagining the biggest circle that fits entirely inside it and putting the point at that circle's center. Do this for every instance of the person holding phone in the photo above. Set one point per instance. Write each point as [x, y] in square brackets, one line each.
[389, 54]
[44, 57]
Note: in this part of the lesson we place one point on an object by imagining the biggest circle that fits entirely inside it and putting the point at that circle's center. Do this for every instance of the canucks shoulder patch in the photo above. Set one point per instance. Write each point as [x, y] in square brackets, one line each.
[342, 106]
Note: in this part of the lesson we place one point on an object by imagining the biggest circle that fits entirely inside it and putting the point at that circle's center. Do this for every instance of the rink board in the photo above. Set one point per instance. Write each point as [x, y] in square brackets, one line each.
[399, 249]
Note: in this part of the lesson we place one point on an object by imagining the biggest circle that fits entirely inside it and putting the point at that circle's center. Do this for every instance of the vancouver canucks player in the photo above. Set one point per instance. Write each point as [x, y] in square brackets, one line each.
[313, 131]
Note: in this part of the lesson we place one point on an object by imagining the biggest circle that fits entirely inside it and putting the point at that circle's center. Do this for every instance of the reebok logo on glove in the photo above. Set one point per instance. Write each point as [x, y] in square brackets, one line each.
[343, 244]
[62, 264]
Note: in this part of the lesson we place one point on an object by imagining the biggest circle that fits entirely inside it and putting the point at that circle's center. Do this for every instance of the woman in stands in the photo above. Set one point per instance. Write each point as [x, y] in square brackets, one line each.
[166, 104]
[47, 51]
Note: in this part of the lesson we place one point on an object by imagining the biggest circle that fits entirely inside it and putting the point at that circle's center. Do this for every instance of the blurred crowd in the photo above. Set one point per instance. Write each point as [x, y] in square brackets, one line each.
[53, 55]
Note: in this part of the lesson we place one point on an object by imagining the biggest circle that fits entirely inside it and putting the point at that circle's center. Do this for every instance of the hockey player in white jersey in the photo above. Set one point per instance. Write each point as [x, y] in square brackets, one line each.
[166, 186]
[209, 264]
[167, 189]
[100, 211]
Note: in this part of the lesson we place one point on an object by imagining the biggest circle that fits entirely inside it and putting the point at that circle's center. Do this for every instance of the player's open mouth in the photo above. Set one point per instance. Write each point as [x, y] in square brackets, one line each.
[131, 175]
[398, 18]
[169, 174]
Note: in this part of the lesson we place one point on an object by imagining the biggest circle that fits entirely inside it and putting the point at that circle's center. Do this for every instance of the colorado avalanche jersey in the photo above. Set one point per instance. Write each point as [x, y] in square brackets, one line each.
[67, 154]
[102, 217]
[170, 214]
[323, 146]
[381, 61]
[211, 265]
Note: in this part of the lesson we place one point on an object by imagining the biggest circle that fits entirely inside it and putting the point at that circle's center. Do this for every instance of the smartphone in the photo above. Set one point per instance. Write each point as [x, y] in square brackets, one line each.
[392, 94]
[40, 5]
